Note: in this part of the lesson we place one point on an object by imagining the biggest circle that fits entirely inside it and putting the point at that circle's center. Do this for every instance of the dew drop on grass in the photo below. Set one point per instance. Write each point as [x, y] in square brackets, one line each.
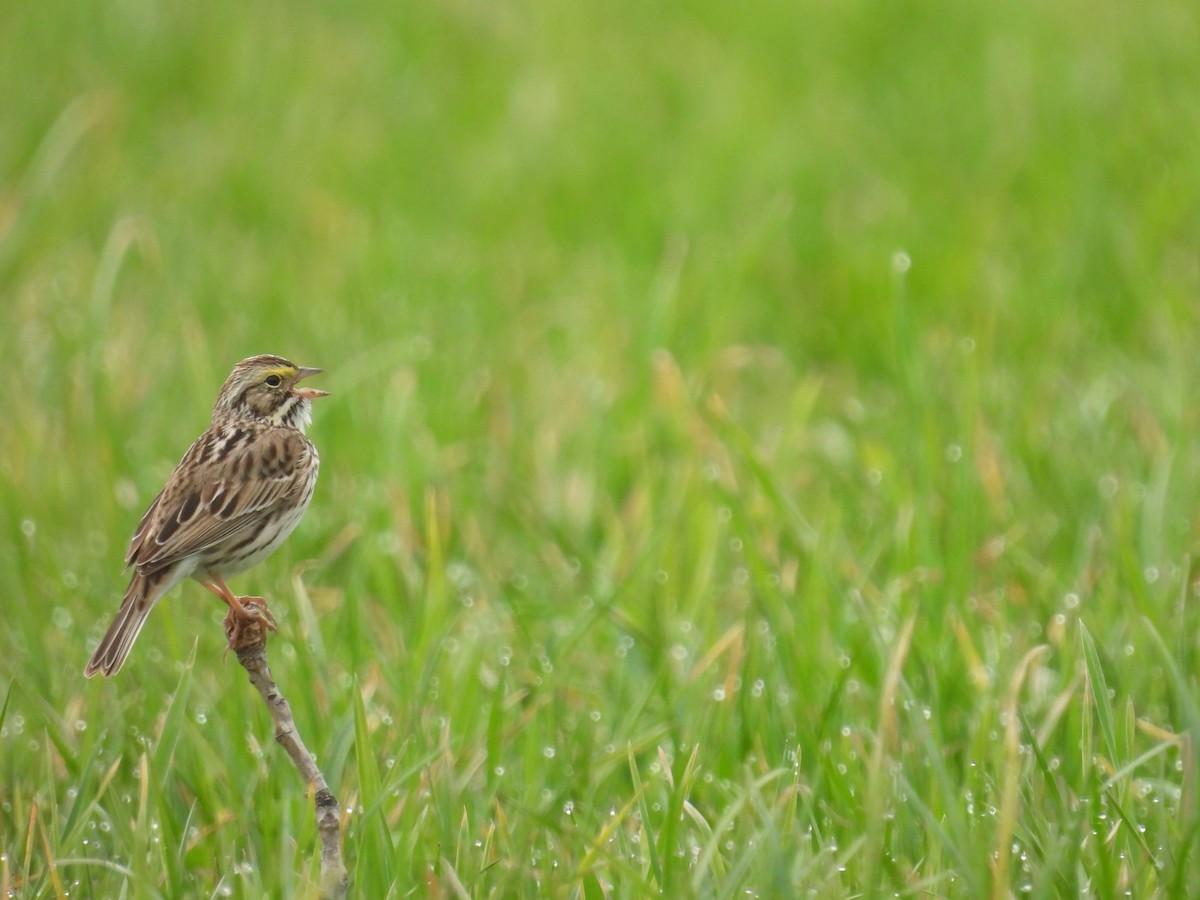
[549, 752]
[28, 527]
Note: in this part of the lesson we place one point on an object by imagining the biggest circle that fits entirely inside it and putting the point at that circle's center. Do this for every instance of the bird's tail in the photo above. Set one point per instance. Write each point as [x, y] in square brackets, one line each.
[141, 595]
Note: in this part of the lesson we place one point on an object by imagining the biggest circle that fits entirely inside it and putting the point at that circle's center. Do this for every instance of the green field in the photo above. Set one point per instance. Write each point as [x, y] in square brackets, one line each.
[760, 462]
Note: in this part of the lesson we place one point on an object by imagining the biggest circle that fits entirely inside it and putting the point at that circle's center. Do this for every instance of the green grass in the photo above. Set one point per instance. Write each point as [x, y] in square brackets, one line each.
[761, 459]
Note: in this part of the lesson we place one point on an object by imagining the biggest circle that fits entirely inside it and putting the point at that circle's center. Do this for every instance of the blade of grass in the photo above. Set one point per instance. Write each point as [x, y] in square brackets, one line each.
[168, 738]
[376, 858]
[1097, 688]
[644, 809]
[1006, 817]
[886, 736]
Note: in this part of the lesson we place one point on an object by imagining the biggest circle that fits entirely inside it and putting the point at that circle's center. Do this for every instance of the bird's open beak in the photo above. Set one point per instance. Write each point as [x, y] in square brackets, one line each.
[308, 393]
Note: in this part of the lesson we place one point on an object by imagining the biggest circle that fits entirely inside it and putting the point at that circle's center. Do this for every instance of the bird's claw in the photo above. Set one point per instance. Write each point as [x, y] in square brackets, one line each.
[247, 626]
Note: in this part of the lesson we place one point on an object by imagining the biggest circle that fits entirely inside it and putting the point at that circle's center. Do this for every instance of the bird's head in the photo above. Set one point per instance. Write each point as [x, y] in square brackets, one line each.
[266, 388]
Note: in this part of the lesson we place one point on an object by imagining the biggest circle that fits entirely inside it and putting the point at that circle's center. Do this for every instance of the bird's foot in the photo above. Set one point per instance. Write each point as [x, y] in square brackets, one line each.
[247, 624]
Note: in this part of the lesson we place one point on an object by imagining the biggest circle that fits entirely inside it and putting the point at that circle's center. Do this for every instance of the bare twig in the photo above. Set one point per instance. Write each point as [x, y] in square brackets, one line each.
[248, 638]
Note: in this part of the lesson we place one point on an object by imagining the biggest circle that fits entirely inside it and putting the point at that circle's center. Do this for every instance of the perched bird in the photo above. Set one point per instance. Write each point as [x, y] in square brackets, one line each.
[235, 496]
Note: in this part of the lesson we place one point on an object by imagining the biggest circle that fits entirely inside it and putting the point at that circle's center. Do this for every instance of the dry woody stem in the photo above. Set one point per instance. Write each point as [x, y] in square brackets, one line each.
[248, 639]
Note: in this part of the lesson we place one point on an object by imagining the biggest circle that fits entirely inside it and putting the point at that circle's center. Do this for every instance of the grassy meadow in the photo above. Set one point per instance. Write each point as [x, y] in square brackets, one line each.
[761, 458]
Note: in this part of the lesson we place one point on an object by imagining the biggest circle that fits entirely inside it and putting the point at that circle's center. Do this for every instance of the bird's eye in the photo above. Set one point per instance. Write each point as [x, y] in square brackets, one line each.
[273, 381]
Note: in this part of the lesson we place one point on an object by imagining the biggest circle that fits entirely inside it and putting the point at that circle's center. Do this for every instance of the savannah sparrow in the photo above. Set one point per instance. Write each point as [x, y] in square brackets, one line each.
[234, 497]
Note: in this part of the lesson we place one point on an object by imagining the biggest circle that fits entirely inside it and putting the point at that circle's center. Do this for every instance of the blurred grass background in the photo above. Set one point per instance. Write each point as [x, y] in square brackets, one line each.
[759, 461]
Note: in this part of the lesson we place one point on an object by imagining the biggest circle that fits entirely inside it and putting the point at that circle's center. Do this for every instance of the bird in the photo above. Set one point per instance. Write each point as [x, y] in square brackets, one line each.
[239, 491]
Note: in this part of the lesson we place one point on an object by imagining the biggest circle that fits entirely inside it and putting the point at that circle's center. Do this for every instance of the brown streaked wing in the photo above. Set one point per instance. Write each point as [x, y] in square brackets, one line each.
[147, 528]
[231, 495]
[135, 542]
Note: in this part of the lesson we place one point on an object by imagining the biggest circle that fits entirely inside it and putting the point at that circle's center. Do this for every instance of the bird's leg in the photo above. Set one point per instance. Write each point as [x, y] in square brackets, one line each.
[242, 610]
